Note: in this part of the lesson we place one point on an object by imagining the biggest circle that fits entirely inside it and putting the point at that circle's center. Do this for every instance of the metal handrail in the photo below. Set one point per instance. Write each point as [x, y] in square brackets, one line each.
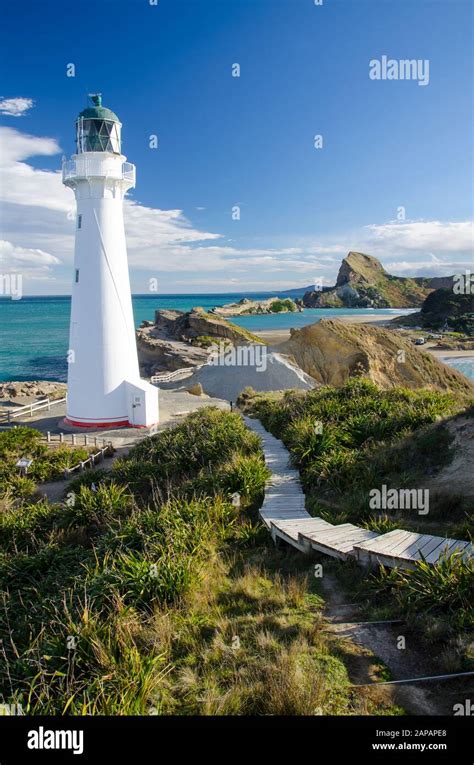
[90, 168]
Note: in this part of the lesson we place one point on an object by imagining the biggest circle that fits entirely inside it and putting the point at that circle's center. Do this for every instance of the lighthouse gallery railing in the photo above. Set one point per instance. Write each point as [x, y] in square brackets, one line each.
[87, 168]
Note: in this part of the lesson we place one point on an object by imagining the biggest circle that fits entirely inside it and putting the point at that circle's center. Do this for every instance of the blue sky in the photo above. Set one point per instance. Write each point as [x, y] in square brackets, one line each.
[246, 141]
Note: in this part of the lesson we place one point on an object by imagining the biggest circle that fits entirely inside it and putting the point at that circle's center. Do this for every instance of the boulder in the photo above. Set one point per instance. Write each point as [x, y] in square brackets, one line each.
[195, 390]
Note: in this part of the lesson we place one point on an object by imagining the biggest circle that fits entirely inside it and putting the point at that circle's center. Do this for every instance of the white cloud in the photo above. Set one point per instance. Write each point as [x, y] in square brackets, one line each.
[15, 107]
[14, 256]
[424, 235]
[36, 206]
[23, 184]
[33, 264]
[37, 219]
[148, 226]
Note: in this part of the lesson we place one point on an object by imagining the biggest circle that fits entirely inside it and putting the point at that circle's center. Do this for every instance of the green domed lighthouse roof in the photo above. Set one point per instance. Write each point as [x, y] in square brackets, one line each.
[98, 112]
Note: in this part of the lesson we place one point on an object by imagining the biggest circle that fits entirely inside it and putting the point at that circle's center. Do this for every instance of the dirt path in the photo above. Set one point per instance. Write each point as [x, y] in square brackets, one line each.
[380, 640]
[55, 491]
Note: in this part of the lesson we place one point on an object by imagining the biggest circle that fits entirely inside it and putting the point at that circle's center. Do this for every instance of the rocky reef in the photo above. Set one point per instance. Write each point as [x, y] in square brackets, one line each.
[247, 307]
[31, 390]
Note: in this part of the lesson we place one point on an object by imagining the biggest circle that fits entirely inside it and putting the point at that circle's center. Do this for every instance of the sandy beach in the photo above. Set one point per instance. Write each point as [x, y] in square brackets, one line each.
[449, 354]
[276, 336]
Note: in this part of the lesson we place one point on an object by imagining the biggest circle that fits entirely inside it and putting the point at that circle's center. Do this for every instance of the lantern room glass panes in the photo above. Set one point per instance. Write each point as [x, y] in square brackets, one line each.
[98, 135]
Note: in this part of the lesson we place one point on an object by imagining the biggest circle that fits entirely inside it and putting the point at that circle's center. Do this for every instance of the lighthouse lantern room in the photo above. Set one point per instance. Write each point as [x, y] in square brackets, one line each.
[104, 385]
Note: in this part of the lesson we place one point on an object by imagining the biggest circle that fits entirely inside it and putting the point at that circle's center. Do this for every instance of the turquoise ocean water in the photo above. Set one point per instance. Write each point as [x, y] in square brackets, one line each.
[34, 330]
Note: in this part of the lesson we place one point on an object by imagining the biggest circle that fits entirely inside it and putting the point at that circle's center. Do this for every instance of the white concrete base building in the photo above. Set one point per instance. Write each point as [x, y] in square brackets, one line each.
[104, 385]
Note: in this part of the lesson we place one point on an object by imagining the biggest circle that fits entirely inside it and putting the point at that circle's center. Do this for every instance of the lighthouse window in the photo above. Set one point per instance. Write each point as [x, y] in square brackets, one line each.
[79, 221]
[76, 279]
[99, 135]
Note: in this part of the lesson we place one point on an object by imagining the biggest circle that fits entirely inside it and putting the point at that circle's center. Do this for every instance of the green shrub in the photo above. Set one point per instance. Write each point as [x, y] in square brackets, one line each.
[446, 587]
[347, 440]
[245, 475]
[20, 442]
[51, 465]
[279, 306]
[107, 558]
[380, 523]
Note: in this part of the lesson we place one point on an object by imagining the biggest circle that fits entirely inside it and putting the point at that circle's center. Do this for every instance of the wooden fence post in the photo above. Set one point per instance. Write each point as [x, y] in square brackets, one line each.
[61, 438]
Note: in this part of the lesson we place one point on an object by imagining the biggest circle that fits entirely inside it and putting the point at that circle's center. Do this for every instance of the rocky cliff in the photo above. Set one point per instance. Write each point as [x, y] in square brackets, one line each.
[362, 282]
[332, 351]
[443, 309]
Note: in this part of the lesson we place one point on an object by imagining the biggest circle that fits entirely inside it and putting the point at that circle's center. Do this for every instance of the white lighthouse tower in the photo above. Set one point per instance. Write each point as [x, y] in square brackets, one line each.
[104, 386]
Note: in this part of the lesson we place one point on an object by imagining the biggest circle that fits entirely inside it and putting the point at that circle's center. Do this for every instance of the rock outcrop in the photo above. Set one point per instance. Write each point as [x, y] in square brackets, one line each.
[362, 282]
[191, 325]
[31, 390]
[246, 307]
[332, 351]
[443, 309]
[180, 339]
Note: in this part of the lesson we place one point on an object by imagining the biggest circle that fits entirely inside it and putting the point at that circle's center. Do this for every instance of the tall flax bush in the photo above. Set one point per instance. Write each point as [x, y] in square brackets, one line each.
[445, 588]
[350, 438]
[95, 568]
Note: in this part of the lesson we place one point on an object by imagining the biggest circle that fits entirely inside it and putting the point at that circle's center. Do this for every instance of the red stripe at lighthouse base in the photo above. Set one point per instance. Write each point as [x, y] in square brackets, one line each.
[98, 424]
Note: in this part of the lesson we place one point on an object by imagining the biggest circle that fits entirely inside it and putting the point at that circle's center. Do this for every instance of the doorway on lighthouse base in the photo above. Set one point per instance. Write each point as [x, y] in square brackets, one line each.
[142, 403]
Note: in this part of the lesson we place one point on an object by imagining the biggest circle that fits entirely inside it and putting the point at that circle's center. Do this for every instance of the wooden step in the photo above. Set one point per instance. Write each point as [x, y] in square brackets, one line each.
[402, 549]
[283, 512]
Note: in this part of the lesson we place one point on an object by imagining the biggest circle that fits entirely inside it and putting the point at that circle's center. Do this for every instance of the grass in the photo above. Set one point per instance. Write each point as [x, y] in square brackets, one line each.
[207, 341]
[346, 441]
[48, 464]
[437, 603]
[155, 593]
[141, 539]
[251, 641]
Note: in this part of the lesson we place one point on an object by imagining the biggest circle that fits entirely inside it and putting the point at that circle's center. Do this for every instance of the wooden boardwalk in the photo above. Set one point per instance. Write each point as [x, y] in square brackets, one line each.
[283, 513]
[283, 509]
